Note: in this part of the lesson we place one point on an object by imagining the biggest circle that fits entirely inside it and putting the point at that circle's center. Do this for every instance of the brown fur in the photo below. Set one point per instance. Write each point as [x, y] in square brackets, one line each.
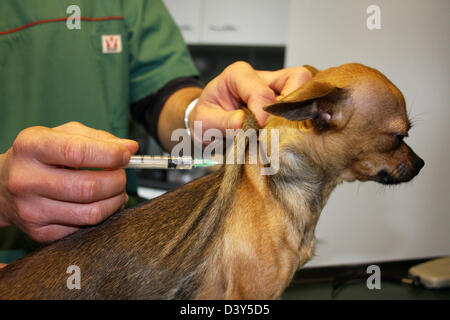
[236, 234]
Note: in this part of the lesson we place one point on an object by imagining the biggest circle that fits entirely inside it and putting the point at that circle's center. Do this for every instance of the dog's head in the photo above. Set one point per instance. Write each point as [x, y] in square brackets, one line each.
[354, 121]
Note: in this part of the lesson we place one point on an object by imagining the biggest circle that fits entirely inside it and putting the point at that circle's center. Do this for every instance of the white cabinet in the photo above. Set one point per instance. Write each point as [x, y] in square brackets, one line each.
[232, 22]
[188, 16]
[245, 22]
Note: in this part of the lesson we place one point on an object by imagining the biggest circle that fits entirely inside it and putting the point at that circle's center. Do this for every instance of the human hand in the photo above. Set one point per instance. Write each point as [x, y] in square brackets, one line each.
[42, 189]
[218, 105]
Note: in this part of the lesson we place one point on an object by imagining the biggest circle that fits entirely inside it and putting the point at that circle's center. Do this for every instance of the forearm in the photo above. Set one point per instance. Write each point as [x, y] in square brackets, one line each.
[172, 114]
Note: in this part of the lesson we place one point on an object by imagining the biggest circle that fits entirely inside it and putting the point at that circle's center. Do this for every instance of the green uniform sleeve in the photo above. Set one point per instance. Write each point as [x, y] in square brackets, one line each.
[157, 50]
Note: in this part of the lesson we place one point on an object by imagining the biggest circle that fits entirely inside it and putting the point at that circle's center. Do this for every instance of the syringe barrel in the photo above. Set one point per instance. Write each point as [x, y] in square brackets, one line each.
[160, 162]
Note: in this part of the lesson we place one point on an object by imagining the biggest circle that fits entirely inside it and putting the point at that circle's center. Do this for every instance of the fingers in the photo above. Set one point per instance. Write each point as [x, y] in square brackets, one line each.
[74, 127]
[2, 265]
[240, 83]
[49, 233]
[52, 203]
[82, 130]
[57, 147]
[285, 81]
[246, 84]
[46, 220]
[39, 212]
[46, 198]
[296, 77]
[213, 117]
[79, 186]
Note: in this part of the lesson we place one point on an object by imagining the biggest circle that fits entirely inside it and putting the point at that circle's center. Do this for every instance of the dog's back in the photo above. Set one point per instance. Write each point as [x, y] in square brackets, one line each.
[137, 253]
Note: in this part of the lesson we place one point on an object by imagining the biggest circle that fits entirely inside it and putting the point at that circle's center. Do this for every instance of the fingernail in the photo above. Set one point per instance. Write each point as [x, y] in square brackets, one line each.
[126, 158]
[129, 144]
[128, 141]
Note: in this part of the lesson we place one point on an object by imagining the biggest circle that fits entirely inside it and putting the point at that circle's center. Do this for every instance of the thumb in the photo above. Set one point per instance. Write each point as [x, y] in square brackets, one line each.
[221, 119]
[77, 128]
[131, 145]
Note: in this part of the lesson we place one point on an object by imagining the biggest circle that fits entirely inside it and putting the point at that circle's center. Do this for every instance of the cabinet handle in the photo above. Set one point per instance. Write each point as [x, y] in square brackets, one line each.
[185, 27]
[223, 28]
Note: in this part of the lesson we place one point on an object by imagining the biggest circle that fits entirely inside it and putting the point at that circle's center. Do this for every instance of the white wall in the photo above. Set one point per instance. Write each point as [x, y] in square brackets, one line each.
[365, 222]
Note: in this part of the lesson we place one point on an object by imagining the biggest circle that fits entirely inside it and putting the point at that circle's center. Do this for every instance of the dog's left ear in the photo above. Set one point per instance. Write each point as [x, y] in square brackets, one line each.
[316, 100]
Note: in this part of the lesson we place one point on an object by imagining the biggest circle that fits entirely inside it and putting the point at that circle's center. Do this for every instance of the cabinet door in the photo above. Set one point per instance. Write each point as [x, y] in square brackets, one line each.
[188, 16]
[245, 22]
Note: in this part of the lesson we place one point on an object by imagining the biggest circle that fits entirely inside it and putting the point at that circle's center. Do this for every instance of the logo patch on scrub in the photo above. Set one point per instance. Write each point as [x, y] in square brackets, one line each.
[111, 43]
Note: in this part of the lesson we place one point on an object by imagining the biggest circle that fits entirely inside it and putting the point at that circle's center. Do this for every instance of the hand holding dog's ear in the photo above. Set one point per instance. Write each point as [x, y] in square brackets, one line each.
[287, 80]
[315, 100]
[220, 102]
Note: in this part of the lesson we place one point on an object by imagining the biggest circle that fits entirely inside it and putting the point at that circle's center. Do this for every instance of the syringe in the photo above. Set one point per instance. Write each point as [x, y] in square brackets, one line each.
[165, 162]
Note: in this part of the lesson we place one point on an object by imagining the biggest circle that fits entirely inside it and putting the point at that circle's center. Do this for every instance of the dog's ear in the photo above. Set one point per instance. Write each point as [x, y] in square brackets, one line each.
[315, 100]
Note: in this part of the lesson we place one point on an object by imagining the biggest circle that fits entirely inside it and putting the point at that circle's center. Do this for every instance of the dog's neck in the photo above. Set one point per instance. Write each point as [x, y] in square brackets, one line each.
[299, 191]
[301, 186]
[301, 183]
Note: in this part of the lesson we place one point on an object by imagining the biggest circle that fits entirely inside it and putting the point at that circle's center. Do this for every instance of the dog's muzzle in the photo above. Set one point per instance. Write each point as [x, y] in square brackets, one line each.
[404, 172]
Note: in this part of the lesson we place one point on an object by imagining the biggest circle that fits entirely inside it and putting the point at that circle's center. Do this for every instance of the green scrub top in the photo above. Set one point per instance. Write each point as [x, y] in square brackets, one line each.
[51, 74]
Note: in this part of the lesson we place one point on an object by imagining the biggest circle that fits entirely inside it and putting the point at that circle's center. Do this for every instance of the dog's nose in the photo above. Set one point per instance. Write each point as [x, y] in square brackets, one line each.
[418, 164]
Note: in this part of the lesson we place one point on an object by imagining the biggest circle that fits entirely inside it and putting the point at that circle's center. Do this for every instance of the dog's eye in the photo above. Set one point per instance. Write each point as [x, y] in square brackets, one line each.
[388, 142]
[391, 141]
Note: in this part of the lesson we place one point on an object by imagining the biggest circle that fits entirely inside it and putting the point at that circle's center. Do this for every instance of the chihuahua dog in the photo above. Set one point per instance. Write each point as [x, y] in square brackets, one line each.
[237, 234]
